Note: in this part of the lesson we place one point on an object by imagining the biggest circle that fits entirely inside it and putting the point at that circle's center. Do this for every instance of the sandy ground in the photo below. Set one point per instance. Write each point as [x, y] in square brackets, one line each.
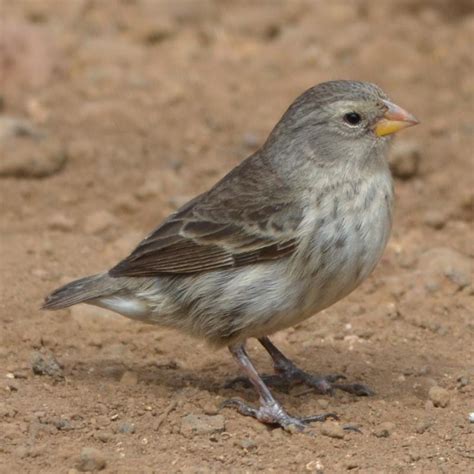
[114, 113]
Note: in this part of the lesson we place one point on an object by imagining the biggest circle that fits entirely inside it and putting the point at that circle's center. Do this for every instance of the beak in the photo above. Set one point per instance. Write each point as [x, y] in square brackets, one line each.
[394, 119]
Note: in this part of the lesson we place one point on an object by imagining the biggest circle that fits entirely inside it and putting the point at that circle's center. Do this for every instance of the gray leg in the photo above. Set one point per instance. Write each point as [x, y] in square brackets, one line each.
[269, 411]
[287, 373]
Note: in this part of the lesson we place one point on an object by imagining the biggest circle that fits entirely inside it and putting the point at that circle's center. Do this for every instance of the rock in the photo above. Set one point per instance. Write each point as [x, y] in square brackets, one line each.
[202, 424]
[423, 425]
[323, 403]
[45, 364]
[126, 428]
[63, 424]
[435, 219]
[104, 436]
[61, 222]
[247, 444]
[384, 430]
[91, 460]
[28, 152]
[6, 411]
[471, 417]
[13, 127]
[157, 31]
[149, 189]
[405, 160]
[250, 140]
[332, 429]
[439, 396]
[129, 378]
[99, 222]
[443, 262]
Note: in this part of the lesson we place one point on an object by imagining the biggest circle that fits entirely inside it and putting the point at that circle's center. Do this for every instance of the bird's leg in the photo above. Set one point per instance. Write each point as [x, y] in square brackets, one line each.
[291, 374]
[269, 411]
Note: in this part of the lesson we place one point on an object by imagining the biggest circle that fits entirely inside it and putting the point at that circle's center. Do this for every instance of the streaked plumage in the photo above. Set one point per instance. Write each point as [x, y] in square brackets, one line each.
[291, 230]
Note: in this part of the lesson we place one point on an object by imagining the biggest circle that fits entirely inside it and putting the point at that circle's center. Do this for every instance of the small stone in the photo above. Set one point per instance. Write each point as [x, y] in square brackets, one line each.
[405, 160]
[439, 396]
[441, 263]
[63, 424]
[45, 364]
[471, 417]
[202, 424]
[250, 140]
[126, 428]
[463, 381]
[435, 219]
[315, 466]
[384, 430]
[91, 460]
[99, 222]
[28, 152]
[332, 429]
[323, 403]
[423, 425]
[149, 189]
[104, 436]
[61, 222]
[6, 411]
[247, 444]
[129, 378]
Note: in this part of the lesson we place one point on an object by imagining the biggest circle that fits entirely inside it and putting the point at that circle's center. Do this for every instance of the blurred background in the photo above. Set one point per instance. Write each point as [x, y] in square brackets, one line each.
[114, 113]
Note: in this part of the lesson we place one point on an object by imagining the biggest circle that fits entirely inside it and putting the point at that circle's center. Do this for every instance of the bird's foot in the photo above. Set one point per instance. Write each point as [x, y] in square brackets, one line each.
[325, 384]
[289, 375]
[274, 414]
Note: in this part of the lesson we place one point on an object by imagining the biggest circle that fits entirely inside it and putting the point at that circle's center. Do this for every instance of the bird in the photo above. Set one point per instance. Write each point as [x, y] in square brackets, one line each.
[288, 232]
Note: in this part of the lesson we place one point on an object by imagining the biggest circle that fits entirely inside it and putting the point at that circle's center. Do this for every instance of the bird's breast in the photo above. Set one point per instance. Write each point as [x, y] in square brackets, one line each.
[342, 240]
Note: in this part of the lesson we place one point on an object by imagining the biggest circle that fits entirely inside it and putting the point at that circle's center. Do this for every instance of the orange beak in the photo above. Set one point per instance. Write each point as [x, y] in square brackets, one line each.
[394, 119]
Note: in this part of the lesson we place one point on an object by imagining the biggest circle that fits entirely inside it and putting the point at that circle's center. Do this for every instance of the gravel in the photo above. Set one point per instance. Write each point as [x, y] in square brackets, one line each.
[91, 460]
[202, 424]
[45, 364]
[439, 396]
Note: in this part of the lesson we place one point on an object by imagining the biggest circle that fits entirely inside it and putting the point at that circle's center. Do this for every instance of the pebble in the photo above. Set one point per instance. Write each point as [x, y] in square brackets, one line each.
[250, 140]
[6, 411]
[45, 364]
[439, 396]
[405, 160]
[384, 430]
[435, 219]
[28, 152]
[91, 460]
[61, 222]
[332, 429]
[471, 417]
[323, 403]
[99, 222]
[247, 444]
[202, 424]
[126, 428]
[104, 436]
[423, 425]
[129, 378]
[440, 263]
[149, 189]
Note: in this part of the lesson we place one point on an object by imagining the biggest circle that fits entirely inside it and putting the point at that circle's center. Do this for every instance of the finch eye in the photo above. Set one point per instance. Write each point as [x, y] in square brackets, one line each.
[352, 118]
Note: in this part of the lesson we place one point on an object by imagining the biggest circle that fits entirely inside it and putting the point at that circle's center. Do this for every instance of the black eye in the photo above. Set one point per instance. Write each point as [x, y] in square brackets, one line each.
[352, 118]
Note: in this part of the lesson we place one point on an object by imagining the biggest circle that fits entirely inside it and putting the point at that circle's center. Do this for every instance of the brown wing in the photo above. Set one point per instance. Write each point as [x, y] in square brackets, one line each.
[237, 223]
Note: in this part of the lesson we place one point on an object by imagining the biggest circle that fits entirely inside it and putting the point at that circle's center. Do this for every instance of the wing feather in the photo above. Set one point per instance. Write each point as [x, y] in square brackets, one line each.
[238, 222]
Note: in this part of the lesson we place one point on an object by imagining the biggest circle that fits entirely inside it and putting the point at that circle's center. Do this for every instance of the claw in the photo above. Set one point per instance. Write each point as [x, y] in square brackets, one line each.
[358, 389]
[275, 415]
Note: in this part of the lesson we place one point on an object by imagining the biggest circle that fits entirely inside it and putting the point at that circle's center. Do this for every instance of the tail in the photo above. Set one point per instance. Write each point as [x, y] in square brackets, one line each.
[79, 291]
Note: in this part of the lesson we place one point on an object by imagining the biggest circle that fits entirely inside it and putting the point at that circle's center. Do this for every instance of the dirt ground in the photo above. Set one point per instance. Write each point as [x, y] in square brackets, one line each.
[113, 114]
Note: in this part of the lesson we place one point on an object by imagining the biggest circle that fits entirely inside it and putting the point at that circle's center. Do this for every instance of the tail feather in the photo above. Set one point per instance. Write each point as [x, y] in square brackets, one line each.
[78, 291]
